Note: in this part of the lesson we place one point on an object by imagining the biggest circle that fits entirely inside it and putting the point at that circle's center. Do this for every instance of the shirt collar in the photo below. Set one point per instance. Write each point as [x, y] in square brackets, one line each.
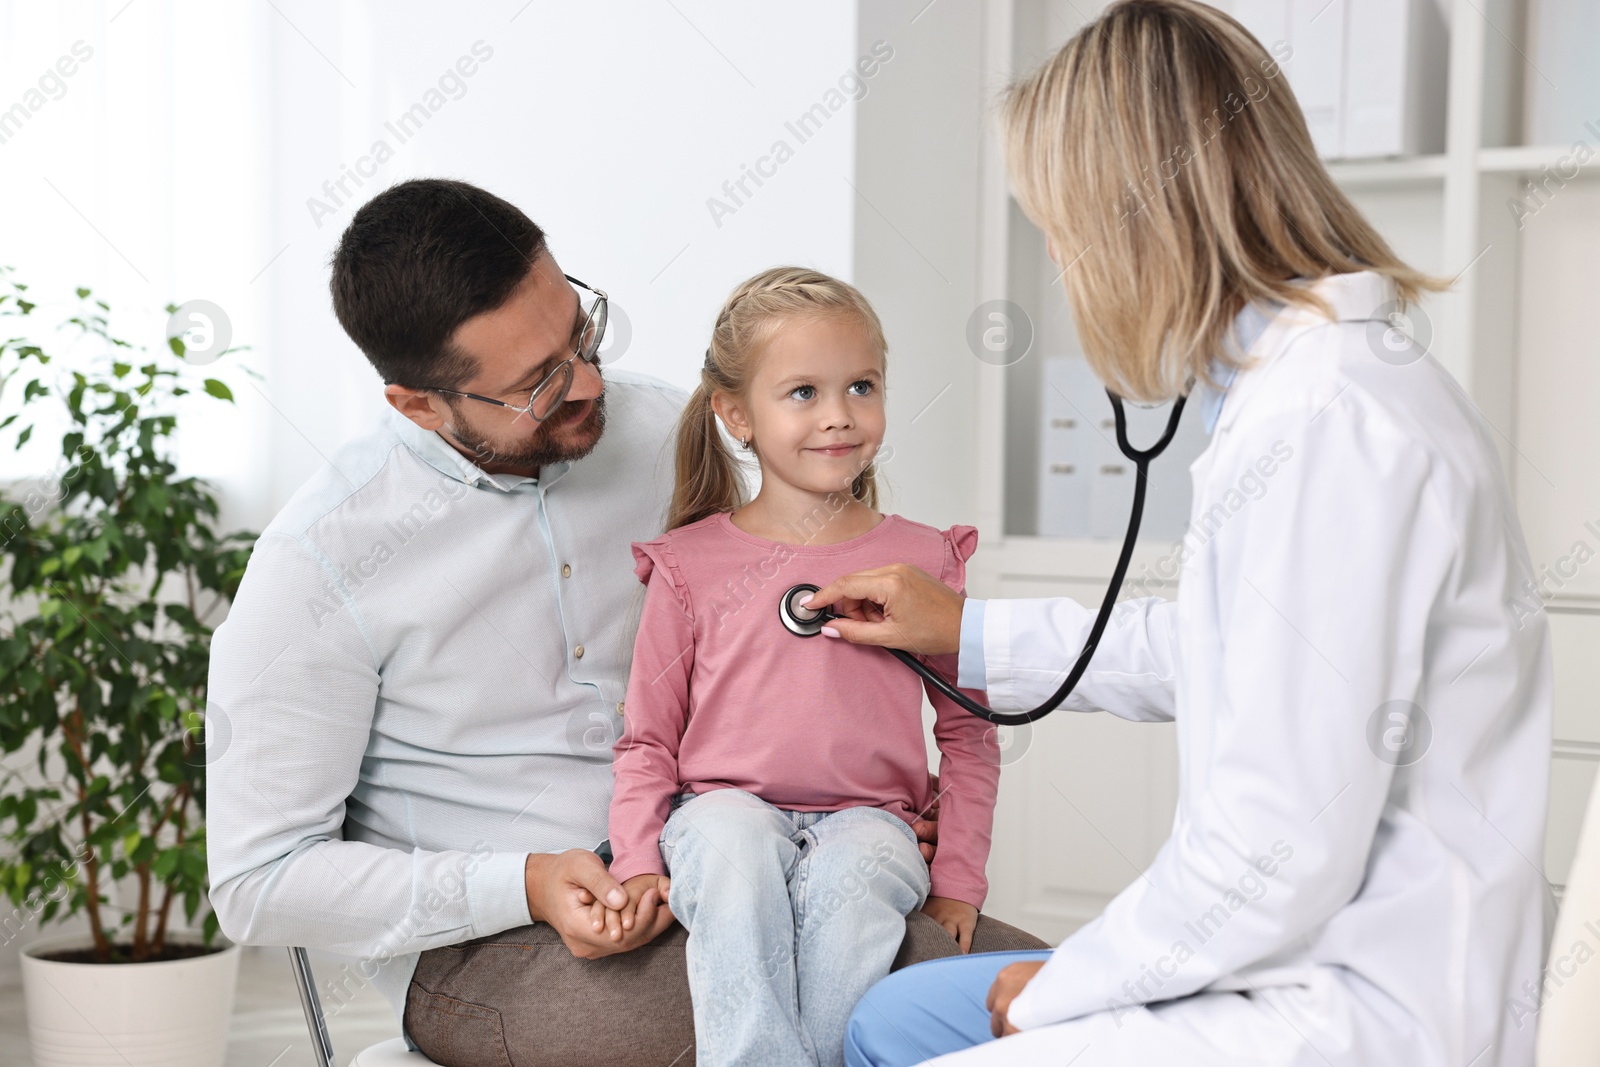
[442, 456]
[1247, 328]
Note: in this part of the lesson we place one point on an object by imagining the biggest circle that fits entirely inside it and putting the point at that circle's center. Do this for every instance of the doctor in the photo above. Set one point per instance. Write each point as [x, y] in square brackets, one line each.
[1363, 712]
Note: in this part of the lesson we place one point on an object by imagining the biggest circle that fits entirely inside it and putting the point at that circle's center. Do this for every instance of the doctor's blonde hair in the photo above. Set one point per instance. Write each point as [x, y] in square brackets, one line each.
[1164, 154]
[708, 471]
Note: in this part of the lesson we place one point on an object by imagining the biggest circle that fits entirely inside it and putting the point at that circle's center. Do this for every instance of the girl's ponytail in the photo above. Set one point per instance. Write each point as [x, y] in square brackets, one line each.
[707, 478]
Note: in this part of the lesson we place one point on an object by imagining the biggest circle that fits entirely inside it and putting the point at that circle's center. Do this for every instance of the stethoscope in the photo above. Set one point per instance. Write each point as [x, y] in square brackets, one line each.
[808, 622]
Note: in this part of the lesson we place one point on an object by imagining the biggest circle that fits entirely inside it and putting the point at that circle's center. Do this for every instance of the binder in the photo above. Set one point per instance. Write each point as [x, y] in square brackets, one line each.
[1369, 75]
[1085, 482]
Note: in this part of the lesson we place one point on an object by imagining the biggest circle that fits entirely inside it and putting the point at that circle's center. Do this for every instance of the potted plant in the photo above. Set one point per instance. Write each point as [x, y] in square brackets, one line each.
[110, 575]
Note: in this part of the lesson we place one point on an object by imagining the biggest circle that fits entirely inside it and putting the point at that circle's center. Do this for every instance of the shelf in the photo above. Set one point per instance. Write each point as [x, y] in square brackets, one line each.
[1073, 559]
[1367, 173]
[1530, 159]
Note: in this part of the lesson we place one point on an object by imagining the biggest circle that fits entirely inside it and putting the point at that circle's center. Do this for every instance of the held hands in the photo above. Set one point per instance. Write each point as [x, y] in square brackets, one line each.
[956, 916]
[563, 889]
[646, 893]
[898, 606]
[1007, 984]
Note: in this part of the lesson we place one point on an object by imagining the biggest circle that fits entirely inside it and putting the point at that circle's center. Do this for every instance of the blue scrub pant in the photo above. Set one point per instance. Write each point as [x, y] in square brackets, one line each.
[949, 996]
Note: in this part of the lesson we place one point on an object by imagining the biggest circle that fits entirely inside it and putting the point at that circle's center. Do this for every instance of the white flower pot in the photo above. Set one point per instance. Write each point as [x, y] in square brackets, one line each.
[172, 1013]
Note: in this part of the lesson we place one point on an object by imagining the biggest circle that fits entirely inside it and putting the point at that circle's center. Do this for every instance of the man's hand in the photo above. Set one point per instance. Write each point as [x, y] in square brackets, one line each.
[956, 916]
[926, 826]
[644, 891]
[563, 888]
[1007, 984]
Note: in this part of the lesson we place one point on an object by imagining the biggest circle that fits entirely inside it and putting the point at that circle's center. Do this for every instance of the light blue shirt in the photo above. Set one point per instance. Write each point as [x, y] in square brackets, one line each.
[1247, 328]
[419, 684]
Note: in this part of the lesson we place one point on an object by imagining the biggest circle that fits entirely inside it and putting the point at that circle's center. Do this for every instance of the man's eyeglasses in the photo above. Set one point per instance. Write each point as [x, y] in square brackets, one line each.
[551, 391]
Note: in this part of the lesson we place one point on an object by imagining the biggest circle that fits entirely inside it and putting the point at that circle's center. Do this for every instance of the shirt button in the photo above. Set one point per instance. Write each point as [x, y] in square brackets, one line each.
[566, 570]
[619, 707]
[578, 652]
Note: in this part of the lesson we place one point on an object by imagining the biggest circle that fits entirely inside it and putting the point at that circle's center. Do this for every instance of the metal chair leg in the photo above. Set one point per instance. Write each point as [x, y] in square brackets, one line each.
[321, 1044]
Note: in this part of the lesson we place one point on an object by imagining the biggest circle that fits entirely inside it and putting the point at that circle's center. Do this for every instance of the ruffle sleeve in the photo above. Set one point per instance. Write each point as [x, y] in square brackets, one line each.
[652, 556]
[960, 542]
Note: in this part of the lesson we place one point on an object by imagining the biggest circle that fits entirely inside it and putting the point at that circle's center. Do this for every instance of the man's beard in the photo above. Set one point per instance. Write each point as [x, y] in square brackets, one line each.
[545, 448]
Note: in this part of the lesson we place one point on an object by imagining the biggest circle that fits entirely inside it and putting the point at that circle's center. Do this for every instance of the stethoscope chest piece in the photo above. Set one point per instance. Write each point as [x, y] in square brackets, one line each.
[799, 620]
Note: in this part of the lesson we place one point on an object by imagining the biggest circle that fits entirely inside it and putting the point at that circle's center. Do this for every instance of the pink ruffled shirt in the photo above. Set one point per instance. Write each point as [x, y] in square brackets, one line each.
[722, 696]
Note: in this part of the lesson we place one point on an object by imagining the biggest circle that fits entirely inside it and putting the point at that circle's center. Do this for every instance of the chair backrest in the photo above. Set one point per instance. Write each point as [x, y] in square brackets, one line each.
[1566, 1002]
[311, 1004]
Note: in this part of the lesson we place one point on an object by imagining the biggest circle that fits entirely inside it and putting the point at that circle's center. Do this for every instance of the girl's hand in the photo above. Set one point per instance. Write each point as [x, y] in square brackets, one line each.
[639, 887]
[956, 916]
[646, 907]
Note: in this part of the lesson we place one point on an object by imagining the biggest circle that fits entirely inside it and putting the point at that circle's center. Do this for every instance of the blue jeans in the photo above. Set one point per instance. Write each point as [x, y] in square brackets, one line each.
[792, 916]
[927, 1010]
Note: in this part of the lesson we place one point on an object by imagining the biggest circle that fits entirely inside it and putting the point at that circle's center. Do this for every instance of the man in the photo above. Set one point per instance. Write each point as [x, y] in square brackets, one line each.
[423, 673]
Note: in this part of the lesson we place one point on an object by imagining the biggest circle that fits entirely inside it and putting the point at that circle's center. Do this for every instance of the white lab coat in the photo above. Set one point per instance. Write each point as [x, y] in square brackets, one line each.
[1353, 543]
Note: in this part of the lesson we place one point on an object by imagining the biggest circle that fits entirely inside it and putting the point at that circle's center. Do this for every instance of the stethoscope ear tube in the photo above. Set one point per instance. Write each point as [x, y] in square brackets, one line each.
[806, 627]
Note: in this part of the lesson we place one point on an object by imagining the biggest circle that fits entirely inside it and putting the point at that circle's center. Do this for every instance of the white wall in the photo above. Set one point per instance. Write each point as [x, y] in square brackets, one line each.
[916, 251]
[187, 148]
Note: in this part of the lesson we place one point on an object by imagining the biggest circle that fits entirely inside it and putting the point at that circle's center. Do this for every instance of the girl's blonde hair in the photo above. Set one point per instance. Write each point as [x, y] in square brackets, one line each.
[707, 470]
[1163, 148]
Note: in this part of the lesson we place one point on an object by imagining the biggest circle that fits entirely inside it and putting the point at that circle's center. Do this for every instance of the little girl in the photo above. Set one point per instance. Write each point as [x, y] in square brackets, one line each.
[774, 777]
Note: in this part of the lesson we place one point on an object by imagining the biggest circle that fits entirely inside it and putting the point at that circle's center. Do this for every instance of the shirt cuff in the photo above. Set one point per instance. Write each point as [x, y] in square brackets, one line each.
[969, 664]
[497, 894]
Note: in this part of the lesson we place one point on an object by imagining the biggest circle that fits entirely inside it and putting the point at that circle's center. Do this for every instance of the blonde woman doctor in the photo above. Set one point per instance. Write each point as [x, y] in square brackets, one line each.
[1363, 702]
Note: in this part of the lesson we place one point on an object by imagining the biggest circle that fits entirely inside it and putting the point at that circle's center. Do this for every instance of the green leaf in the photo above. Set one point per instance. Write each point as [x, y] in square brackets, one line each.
[165, 863]
[130, 843]
[218, 389]
[177, 346]
[97, 549]
[22, 438]
[82, 293]
[72, 554]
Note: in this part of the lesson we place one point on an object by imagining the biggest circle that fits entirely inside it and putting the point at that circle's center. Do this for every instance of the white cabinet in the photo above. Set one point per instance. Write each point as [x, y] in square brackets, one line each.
[1369, 74]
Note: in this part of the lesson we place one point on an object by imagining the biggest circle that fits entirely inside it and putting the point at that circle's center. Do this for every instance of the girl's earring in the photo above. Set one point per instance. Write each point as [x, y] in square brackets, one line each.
[744, 443]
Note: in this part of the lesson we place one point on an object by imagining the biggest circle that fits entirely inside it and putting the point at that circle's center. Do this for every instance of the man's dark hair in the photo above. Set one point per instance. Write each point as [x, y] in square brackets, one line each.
[417, 261]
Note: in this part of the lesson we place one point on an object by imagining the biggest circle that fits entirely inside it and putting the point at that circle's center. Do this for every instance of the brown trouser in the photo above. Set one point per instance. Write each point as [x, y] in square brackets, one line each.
[521, 999]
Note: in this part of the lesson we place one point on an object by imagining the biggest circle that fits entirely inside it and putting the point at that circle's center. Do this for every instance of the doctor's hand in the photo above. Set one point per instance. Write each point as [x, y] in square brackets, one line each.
[562, 889]
[898, 606]
[1007, 984]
